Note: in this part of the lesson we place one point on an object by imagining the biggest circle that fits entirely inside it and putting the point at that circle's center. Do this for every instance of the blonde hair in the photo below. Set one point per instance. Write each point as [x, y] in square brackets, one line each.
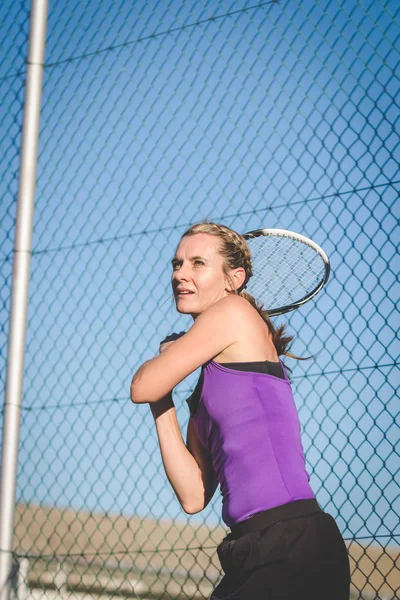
[234, 249]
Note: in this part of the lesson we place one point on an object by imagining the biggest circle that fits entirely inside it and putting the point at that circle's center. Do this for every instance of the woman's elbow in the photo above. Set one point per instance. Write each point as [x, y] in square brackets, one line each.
[192, 509]
[137, 396]
[195, 505]
[140, 395]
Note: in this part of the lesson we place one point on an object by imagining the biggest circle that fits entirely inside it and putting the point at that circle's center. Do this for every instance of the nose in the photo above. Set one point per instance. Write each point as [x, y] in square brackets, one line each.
[182, 274]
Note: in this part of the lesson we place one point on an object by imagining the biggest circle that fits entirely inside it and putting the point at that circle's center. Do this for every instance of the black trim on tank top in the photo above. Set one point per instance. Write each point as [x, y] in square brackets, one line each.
[260, 366]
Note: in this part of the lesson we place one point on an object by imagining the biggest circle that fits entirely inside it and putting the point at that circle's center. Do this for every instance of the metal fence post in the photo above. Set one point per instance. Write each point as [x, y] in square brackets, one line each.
[20, 284]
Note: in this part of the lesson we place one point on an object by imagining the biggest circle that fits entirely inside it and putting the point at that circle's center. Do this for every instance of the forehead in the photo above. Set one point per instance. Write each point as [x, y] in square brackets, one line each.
[201, 244]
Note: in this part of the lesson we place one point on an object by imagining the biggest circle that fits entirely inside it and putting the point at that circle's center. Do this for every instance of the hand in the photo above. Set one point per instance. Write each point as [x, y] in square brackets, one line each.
[170, 339]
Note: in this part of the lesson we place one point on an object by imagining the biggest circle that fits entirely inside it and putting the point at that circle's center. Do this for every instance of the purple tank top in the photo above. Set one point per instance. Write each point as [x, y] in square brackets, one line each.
[248, 422]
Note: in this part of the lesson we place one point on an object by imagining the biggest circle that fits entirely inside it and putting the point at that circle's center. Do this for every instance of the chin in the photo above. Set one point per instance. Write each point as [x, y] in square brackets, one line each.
[186, 311]
[182, 310]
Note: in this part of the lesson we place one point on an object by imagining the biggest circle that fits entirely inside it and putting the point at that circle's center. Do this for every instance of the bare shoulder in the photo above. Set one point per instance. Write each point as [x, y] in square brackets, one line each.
[234, 315]
[250, 337]
[235, 310]
[231, 306]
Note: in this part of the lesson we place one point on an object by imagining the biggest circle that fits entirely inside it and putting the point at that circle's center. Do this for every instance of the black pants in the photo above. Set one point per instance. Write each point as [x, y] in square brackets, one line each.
[291, 552]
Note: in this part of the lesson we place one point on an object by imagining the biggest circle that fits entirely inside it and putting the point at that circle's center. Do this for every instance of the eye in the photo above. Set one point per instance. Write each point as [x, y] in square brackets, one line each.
[198, 261]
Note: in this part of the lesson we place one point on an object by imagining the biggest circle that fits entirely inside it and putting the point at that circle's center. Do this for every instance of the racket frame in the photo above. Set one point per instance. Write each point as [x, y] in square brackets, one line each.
[305, 240]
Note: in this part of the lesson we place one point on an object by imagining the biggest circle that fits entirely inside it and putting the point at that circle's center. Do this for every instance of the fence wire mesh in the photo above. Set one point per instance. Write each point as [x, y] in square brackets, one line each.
[157, 115]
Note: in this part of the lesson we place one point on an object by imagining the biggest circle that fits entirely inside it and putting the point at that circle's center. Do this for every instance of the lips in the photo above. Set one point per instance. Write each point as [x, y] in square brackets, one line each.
[184, 292]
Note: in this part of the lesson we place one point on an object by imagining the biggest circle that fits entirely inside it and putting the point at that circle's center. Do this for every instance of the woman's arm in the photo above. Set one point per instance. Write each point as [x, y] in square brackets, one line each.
[188, 467]
[203, 459]
[212, 332]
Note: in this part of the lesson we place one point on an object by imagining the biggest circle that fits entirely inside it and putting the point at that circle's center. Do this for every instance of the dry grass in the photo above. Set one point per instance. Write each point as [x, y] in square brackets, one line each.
[101, 553]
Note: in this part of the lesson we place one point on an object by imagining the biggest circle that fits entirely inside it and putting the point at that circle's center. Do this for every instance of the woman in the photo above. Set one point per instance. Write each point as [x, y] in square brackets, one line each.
[243, 432]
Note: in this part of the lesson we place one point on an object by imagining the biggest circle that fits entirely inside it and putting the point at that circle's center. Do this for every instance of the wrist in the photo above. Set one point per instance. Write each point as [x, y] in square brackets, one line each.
[161, 406]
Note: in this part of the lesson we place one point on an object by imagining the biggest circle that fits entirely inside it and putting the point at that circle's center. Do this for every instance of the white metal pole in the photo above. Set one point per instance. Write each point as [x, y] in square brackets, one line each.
[20, 285]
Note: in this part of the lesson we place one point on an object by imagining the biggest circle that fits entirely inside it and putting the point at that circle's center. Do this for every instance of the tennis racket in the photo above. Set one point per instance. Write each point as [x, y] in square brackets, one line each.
[288, 269]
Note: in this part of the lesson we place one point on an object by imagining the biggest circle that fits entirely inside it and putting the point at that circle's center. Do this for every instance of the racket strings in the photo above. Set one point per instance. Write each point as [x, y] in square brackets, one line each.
[285, 270]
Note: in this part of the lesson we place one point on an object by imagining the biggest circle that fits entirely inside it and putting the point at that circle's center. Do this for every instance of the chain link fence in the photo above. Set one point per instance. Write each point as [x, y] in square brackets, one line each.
[157, 115]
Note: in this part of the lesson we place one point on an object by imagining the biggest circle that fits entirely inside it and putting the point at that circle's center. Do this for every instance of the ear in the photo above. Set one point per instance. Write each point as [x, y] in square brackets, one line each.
[236, 279]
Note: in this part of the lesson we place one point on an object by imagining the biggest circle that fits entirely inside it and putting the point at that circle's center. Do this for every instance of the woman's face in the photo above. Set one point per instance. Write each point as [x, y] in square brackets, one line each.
[197, 269]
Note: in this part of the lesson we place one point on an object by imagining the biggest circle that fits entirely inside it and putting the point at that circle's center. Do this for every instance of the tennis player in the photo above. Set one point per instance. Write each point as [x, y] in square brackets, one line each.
[243, 431]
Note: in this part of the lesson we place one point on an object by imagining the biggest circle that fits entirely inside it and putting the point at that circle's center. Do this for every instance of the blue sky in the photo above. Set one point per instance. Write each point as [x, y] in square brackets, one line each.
[155, 116]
